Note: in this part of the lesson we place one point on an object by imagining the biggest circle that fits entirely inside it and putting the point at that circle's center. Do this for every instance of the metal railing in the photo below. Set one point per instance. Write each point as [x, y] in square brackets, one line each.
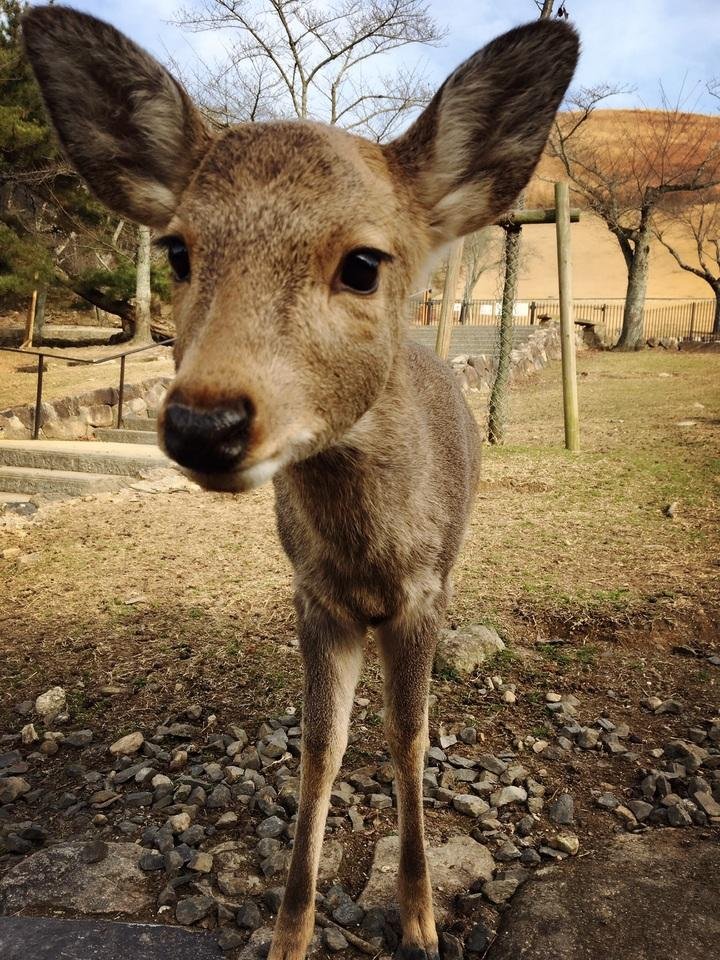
[684, 319]
[43, 355]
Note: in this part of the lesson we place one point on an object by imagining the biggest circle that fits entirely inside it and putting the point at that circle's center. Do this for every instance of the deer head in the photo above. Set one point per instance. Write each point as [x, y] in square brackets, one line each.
[293, 245]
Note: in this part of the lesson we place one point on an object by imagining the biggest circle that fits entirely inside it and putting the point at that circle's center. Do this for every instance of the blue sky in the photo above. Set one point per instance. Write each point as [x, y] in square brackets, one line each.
[634, 42]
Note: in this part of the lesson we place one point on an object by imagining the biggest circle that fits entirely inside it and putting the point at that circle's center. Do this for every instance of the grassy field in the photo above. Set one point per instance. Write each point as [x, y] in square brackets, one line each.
[141, 604]
[570, 545]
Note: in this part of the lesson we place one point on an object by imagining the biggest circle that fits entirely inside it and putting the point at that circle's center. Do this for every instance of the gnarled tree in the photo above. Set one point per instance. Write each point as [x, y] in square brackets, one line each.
[694, 229]
[626, 172]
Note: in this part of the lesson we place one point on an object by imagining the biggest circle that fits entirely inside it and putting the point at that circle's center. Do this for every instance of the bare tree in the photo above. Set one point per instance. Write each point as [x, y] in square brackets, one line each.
[625, 178]
[286, 58]
[695, 225]
[142, 332]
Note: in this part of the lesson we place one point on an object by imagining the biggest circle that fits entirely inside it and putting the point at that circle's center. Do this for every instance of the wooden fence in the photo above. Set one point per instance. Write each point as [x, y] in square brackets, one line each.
[684, 319]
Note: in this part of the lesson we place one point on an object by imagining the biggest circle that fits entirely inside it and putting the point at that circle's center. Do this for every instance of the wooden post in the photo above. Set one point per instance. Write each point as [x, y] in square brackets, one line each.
[444, 334]
[692, 321]
[567, 320]
[30, 320]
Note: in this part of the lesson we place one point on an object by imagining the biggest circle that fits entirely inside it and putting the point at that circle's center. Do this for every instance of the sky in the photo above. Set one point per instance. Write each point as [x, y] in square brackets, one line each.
[635, 43]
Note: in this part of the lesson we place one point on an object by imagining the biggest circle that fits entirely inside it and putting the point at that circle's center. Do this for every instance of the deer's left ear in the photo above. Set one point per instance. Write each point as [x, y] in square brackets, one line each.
[127, 126]
[475, 147]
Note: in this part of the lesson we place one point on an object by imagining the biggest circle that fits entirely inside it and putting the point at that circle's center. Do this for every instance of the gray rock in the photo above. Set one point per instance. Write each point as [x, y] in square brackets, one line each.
[273, 898]
[507, 852]
[640, 808]
[236, 873]
[248, 916]
[150, 860]
[463, 651]
[333, 940]
[94, 852]
[478, 939]
[500, 891]
[705, 800]
[229, 939]
[348, 914]
[562, 811]
[469, 735]
[492, 764]
[678, 816]
[192, 909]
[276, 865]
[470, 805]
[454, 867]
[79, 738]
[12, 788]
[530, 857]
[220, 798]
[451, 947]
[507, 795]
[57, 879]
[272, 827]
[643, 898]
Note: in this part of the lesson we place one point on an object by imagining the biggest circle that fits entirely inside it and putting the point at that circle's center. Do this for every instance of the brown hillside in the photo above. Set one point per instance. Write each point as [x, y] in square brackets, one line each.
[599, 268]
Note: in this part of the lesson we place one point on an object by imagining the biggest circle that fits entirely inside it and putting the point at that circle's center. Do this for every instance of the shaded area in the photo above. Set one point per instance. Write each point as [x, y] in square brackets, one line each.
[46, 939]
[640, 899]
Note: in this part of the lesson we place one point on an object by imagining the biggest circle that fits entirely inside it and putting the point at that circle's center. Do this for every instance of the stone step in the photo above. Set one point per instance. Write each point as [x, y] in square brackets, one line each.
[139, 423]
[120, 459]
[125, 435]
[470, 339]
[58, 484]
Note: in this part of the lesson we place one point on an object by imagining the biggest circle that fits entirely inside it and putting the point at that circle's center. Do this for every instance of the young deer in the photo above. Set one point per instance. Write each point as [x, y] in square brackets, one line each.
[294, 247]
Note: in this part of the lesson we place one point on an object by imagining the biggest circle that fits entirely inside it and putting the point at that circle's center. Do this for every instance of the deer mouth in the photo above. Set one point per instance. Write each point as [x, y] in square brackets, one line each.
[240, 480]
[248, 476]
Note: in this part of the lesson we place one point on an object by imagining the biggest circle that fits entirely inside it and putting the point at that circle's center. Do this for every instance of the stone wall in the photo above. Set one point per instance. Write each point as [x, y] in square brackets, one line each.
[478, 372]
[75, 418]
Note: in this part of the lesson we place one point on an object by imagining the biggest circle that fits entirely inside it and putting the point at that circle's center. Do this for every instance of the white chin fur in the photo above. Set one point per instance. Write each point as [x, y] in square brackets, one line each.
[239, 481]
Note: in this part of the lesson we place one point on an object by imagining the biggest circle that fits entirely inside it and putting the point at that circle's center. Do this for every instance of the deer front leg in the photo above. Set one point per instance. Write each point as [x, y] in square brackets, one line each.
[407, 648]
[332, 654]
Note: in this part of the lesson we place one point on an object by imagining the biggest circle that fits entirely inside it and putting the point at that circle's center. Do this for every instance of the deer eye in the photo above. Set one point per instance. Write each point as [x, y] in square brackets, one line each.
[178, 257]
[359, 270]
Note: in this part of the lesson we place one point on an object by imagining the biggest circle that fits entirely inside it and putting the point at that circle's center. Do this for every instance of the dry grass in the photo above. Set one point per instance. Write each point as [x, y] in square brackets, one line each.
[558, 543]
[62, 378]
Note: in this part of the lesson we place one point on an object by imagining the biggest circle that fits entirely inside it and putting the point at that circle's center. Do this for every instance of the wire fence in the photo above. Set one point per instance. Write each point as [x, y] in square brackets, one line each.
[684, 319]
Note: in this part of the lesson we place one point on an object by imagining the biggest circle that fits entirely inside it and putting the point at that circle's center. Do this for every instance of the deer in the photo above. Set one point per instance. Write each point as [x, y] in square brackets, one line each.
[293, 247]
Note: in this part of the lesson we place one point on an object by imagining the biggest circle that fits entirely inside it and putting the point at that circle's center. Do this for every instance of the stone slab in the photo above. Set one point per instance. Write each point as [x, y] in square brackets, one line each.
[653, 897]
[454, 867]
[42, 938]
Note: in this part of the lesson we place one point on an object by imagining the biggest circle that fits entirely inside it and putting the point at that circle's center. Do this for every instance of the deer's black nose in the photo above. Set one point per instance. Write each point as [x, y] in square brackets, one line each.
[208, 440]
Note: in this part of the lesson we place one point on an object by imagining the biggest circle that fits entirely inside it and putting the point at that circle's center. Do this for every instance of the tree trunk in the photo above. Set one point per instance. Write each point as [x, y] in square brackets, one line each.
[498, 397]
[40, 315]
[632, 336]
[547, 9]
[143, 317]
[716, 321]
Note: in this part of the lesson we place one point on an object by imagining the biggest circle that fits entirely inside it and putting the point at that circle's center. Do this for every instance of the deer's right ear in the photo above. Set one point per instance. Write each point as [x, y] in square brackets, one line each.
[122, 120]
[474, 148]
